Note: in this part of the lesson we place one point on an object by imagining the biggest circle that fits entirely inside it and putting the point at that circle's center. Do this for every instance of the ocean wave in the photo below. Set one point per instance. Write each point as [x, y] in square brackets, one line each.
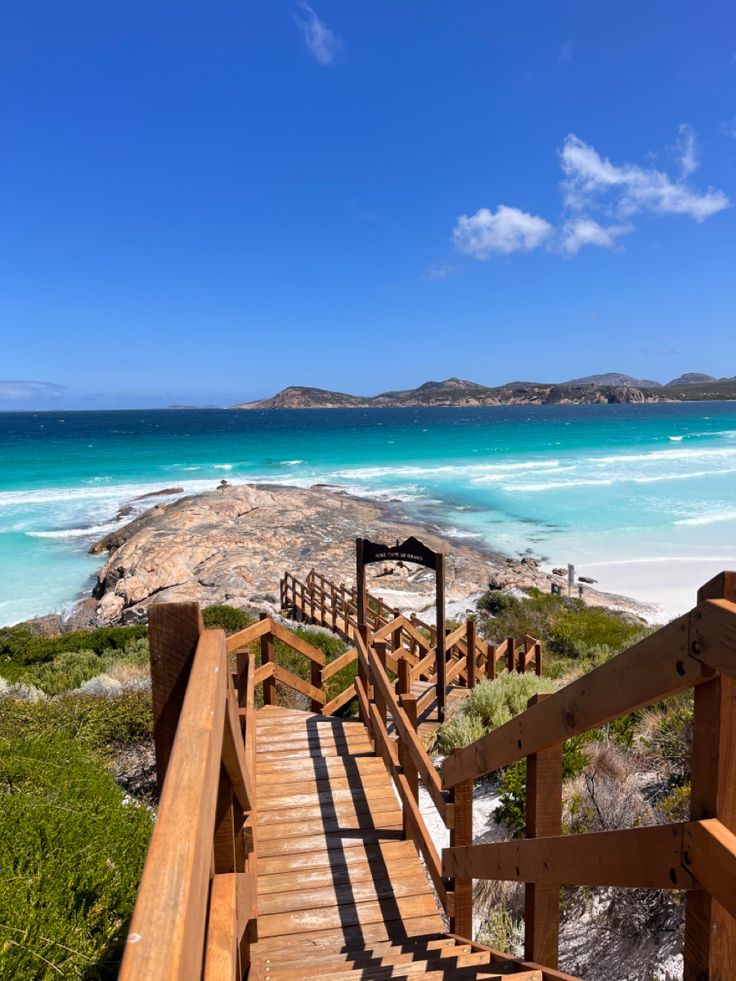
[708, 519]
[459, 469]
[91, 531]
[291, 463]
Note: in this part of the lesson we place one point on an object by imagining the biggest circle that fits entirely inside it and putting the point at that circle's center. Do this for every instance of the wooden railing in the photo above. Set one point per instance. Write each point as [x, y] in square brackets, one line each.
[381, 706]
[319, 601]
[698, 650]
[196, 908]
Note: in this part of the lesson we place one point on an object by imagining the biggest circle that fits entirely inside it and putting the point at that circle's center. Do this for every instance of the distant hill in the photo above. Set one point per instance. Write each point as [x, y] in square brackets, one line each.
[615, 378]
[458, 391]
[691, 378]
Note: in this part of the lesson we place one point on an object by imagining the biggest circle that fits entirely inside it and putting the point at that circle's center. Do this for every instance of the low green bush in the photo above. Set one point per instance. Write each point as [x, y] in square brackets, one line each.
[489, 705]
[224, 617]
[71, 854]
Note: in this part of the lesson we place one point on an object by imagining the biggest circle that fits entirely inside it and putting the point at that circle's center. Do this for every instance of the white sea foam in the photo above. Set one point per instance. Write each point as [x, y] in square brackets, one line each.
[708, 519]
[75, 532]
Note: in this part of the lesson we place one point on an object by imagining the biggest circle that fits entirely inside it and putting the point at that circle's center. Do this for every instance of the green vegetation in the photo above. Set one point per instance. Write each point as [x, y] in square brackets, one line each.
[574, 636]
[71, 853]
[489, 704]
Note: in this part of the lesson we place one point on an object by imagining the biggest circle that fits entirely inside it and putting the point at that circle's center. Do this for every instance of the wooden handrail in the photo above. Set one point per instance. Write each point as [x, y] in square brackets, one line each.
[697, 650]
[170, 920]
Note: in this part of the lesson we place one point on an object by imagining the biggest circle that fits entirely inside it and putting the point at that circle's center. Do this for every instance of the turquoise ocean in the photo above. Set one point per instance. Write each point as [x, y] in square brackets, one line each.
[640, 497]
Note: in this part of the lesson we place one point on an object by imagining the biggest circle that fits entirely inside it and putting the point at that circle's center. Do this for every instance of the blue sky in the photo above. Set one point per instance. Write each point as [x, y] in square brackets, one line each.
[206, 202]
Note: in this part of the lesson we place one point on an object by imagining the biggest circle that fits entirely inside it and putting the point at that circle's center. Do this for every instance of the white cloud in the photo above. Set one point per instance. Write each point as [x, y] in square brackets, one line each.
[601, 199]
[578, 232]
[13, 391]
[322, 43]
[687, 147]
[631, 189]
[728, 127]
[505, 231]
[438, 270]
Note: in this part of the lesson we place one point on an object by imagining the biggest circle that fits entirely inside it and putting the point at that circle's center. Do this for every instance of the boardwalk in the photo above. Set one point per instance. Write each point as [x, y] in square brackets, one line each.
[340, 892]
[290, 845]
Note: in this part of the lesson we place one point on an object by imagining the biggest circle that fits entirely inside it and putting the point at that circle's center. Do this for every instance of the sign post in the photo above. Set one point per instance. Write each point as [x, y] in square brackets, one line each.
[411, 550]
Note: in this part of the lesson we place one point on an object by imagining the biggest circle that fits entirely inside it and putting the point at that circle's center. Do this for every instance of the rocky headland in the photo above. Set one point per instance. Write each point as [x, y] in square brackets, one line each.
[232, 545]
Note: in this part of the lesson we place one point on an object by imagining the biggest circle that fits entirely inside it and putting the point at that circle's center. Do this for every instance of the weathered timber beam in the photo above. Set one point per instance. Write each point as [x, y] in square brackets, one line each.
[298, 684]
[233, 756]
[637, 858]
[222, 954]
[710, 855]
[167, 932]
[297, 644]
[243, 637]
[339, 663]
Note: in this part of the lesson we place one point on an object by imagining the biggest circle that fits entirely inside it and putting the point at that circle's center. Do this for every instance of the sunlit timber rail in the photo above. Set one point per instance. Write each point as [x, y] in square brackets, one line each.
[410, 643]
[281, 850]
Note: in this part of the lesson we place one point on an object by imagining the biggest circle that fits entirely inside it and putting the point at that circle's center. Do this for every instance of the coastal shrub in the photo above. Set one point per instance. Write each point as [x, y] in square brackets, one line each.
[18, 646]
[489, 704]
[71, 853]
[68, 670]
[100, 724]
[224, 617]
[569, 630]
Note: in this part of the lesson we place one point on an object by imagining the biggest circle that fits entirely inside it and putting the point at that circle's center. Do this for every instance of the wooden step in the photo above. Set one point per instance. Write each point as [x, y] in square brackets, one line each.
[342, 894]
[337, 856]
[332, 876]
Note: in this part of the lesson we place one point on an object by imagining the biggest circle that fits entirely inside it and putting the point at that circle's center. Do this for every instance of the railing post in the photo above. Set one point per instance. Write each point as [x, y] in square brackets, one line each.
[396, 636]
[461, 920]
[510, 654]
[543, 819]
[379, 646]
[491, 662]
[173, 634]
[404, 683]
[710, 933]
[409, 705]
[538, 659]
[269, 685]
[470, 657]
[334, 610]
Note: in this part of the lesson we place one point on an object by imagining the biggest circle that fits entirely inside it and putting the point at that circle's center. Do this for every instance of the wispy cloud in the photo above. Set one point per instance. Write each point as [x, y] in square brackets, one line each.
[322, 42]
[438, 270]
[600, 199]
[506, 230]
[16, 391]
[728, 127]
[578, 232]
[593, 181]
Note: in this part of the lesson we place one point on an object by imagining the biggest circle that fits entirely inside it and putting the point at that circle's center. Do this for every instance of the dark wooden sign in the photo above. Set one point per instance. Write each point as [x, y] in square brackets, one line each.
[412, 550]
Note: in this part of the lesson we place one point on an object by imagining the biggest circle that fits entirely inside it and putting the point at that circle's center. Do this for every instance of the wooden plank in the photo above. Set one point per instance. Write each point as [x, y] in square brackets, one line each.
[379, 855]
[342, 917]
[167, 932]
[243, 637]
[710, 855]
[280, 793]
[343, 661]
[543, 819]
[298, 684]
[340, 700]
[638, 858]
[173, 634]
[297, 644]
[345, 894]
[388, 820]
[263, 673]
[271, 809]
[233, 756]
[657, 666]
[305, 743]
[222, 958]
[319, 768]
[351, 938]
[325, 840]
[710, 932]
[461, 835]
[503, 958]
[363, 955]
[328, 876]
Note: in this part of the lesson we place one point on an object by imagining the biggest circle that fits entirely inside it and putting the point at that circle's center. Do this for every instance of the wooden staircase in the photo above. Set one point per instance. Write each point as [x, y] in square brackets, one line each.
[290, 843]
[340, 892]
